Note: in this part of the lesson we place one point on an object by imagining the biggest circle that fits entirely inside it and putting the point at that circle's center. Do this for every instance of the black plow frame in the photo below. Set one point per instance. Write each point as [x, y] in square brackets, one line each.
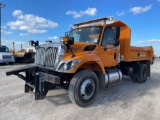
[35, 79]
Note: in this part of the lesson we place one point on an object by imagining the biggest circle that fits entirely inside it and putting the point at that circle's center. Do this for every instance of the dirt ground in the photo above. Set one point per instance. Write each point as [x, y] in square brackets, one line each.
[125, 101]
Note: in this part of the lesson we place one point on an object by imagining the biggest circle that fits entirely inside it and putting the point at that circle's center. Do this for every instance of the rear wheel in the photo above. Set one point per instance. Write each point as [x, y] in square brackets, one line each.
[142, 74]
[83, 88]
[134, 79]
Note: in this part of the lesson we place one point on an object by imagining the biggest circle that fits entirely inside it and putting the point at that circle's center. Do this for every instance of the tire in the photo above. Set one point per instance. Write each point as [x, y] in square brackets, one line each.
[12, 63]
[83, 88]
[142, 73]
[134, 79]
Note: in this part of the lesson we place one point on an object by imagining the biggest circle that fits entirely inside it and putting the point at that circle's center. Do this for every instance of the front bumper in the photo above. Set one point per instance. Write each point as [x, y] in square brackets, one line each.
[7, 60]
[32, 70]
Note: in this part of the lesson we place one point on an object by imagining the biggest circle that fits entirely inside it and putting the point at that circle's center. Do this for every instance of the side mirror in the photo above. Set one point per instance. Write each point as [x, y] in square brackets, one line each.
[35, 44]
[71, 40]
[68, 40]
[31, 42]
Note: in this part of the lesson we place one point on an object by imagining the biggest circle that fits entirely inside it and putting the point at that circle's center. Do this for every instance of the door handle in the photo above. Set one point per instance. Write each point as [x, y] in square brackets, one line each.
[105, 48]
[115, 55]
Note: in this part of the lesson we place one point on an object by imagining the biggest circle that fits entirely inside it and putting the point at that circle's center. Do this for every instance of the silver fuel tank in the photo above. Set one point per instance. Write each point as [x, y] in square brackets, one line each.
[113, 77]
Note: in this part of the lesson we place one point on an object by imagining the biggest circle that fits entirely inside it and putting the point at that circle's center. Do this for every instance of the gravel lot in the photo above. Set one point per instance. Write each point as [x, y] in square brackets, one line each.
[125, 101]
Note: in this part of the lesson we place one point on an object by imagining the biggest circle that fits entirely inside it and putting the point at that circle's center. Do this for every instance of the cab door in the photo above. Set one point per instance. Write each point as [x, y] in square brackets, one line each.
[108, 52]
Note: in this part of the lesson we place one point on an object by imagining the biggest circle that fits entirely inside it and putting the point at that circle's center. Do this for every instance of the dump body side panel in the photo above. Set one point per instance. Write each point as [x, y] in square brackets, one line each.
[140, 53]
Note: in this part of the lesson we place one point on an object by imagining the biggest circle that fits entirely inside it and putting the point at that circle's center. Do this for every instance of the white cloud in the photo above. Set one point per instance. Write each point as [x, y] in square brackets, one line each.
[155, 43]
[121, 13]
[150, 42]
[31, 23]
[17, 13]
[74, 13]
[138, 10]
[23, 34]
[53, 38]
[89, 11]
[35, 31]
[8, 42]
[6, 32]
[3, 27]
[17, 43]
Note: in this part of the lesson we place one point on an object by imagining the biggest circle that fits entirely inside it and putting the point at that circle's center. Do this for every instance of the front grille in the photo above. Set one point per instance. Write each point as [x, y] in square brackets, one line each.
[46, 57]
[7, 57]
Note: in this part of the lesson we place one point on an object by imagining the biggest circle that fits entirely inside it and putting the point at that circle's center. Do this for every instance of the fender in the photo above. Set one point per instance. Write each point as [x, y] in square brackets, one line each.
[86, 57]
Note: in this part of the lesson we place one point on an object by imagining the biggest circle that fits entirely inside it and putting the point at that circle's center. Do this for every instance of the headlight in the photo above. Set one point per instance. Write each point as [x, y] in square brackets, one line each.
[72, 64]
[65, 66]
[68, 65]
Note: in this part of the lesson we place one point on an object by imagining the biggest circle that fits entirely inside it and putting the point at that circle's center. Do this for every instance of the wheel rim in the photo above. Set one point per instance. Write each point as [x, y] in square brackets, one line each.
[87, 89]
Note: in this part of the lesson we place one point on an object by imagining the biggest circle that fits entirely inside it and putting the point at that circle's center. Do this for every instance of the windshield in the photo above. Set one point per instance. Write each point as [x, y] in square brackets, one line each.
[4, 49]
[88, 34]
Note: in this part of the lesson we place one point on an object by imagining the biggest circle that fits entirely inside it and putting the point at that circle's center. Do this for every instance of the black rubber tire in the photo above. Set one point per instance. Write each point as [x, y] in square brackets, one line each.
[142, 73]
[134, 79]
[75, 85]
[12, 63]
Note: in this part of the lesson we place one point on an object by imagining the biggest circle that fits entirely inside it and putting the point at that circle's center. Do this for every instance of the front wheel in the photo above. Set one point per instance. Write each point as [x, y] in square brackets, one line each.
[83, 88]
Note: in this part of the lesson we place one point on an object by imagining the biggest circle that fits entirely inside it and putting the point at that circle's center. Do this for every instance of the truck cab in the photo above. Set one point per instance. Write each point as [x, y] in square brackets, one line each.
[5, 56]
[92, 55]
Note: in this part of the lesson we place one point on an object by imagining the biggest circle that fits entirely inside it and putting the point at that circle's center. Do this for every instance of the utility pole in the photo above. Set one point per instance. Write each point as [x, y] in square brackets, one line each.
[1, 6]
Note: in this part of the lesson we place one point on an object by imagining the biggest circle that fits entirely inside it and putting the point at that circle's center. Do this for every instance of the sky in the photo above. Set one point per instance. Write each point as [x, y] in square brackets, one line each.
[24, 20]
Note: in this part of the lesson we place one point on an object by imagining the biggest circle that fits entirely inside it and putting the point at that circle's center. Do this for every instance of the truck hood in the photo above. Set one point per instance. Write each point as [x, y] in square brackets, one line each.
[80, 48]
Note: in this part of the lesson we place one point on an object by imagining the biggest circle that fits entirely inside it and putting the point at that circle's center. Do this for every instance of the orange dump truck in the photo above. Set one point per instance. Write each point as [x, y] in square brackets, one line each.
[90, 56]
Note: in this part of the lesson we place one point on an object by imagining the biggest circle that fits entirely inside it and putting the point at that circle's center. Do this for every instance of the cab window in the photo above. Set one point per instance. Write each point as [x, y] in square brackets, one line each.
[108, 36]
[4, 49]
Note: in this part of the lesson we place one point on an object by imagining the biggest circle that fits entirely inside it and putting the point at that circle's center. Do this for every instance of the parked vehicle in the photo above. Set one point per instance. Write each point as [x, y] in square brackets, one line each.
[23, 55]
[5, 56]
[90, 56]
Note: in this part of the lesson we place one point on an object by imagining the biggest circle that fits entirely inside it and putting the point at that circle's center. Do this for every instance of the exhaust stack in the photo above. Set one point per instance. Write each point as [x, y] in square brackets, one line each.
[21, 47]
[13, 46]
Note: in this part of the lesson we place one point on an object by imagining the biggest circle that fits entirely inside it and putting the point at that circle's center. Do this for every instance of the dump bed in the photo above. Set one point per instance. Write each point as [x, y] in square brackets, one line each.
[130, 53]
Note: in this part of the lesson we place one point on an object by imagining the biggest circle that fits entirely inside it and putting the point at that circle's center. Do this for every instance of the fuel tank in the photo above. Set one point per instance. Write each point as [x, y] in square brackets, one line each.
[113, 77]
